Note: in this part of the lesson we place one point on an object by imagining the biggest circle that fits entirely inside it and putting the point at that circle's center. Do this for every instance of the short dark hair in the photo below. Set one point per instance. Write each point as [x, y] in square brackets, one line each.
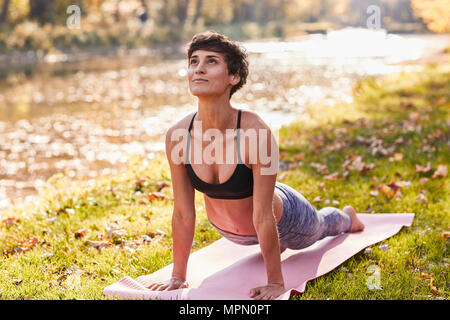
[235, 55]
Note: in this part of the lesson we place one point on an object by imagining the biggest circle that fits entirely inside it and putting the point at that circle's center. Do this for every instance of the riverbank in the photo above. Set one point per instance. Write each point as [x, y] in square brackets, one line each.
[30, 43]
[385, 152]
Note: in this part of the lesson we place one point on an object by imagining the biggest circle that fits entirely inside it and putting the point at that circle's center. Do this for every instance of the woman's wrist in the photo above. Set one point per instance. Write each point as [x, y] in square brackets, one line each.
[178, 277]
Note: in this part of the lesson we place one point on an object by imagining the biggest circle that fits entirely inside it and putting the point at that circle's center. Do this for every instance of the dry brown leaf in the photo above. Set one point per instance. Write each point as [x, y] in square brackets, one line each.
[161, 184]
[80, 233]
[399, 141]
[10, 221]
[28, 243]
[422, 198]
[332, 177]
[99, 244]
[441, 171]
[397, 157]
[345, 174]
[156, 196]
[434, 290]
[321, 168]
[414, 116]
[386, 190]
[425, 168]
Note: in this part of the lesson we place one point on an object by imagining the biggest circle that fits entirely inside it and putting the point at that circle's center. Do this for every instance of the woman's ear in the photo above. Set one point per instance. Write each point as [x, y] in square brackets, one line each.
[235, 78]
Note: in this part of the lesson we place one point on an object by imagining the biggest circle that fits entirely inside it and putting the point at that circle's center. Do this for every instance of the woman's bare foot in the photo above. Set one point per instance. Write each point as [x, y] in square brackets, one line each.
[357, 225]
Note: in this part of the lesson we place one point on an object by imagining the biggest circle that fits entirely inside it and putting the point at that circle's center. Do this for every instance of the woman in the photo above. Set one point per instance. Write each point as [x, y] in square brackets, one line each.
[243, 202]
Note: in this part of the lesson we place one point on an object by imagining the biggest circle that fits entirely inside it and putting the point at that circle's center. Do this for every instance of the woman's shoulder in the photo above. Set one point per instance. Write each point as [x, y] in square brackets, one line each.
[182, 123]
[252, 120]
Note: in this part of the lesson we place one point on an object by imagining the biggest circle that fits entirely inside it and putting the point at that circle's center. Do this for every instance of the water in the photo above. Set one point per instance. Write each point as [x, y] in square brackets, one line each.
[84, 118]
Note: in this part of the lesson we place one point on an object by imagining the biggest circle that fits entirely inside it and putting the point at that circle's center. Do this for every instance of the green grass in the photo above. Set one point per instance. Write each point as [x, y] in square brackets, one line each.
[58, 265]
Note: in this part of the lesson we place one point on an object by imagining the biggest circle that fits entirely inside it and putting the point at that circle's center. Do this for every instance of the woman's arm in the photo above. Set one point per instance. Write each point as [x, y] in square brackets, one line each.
[183, 218]
[264, 176]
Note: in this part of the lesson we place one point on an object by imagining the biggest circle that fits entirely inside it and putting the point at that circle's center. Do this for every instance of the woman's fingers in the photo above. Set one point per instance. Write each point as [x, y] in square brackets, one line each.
[268, 292]
[255, 292]
[156, 286]
[169, 285]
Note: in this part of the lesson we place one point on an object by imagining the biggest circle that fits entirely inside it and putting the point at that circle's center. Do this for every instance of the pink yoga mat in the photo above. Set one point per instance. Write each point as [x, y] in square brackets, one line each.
[227, 271]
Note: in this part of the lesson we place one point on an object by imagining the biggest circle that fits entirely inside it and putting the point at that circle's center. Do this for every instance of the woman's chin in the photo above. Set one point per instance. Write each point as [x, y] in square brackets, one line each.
[200, 93]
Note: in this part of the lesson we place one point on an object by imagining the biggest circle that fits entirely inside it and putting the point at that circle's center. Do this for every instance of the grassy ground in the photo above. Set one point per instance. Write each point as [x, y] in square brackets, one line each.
[79, 237]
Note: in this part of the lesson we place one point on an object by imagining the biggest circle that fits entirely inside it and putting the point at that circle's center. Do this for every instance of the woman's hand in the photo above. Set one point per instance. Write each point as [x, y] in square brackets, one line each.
[171, 284]
[268, 292]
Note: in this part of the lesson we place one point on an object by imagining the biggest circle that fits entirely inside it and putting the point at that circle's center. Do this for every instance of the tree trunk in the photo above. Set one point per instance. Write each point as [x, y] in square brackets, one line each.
[4, 12]
[42, 10]
[165, 13]
[182, 7]
[198, 11]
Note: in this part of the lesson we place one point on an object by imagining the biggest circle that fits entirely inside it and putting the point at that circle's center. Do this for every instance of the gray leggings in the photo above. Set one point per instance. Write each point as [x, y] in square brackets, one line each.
[301, 224]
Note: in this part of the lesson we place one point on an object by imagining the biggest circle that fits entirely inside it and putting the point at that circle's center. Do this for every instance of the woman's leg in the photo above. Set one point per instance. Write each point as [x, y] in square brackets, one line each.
[301, 224]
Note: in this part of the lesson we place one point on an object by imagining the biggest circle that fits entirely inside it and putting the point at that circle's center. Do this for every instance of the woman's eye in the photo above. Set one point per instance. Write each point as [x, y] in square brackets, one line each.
[212, 61]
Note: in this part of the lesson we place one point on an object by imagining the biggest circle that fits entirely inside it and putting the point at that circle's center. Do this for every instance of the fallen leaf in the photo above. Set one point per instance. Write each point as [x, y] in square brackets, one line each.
[414, 116]
[321, 168]
[399, 141]
[27, 244]
[80, 233]
[317, 199]
[386, 190]
[332, 177]
[425, 168]
[397, 157]
[434, 290]
[161, 184]
[156, 196]
[99, 244]
[422, 198]
[114, 230]
[299, 156]
[17, 281]
[10, 221]
[441, 171]
[423, 180]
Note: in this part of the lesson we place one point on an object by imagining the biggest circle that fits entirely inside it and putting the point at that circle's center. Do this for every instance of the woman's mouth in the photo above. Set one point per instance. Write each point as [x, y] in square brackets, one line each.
[199, 81]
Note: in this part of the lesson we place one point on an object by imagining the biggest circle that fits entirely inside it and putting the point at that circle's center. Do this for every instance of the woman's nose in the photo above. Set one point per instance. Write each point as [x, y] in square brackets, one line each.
[200, 68]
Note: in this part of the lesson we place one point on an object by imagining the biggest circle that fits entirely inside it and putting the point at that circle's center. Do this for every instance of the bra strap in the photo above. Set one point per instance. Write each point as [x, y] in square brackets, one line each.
[237, 139]
[189, 139]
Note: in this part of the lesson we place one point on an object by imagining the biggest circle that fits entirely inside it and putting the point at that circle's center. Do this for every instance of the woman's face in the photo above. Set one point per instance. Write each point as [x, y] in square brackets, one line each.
[208, 74]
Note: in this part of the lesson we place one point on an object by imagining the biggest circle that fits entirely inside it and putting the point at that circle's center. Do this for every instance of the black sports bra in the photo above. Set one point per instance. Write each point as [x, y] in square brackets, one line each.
[238, 186]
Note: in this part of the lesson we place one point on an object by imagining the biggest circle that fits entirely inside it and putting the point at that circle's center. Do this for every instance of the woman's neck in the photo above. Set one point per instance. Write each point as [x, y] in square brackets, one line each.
[217, 114]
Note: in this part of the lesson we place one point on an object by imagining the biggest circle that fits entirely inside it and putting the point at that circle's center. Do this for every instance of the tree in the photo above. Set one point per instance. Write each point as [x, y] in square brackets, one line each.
[181, 11]
[435, 13]
[4, 11]
[42, 10]
[198, 11]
